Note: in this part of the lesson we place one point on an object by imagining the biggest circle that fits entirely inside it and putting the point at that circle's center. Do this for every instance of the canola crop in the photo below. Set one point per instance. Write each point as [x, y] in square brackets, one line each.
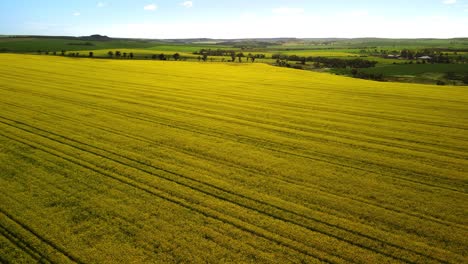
[118, 161]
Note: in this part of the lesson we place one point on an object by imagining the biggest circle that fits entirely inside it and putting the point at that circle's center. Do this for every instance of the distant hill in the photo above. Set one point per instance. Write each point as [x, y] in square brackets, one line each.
[96, 38]
[31, 43]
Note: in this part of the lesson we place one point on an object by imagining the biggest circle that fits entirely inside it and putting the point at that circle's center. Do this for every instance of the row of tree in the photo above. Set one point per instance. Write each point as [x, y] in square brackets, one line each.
[204, 53]
[463, 77]
[320, 62]
[65, 53]
[436, 55]
[117, 54]
[163, 57]
[216, 52]
[283, 63]
[226, 53]
[368, 76]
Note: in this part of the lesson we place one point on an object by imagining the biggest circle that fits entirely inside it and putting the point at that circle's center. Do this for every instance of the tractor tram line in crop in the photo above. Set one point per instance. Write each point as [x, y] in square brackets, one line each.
[220, 197]
[234, 165]
[267, 145]
[142, 160]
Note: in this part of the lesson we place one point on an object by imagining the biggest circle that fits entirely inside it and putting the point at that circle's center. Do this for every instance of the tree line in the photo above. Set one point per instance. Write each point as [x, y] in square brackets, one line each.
[117, 54]
[164, 57]
[234, 55]
[112, 54]
[436, 55]
[324, 62]
[368, 76]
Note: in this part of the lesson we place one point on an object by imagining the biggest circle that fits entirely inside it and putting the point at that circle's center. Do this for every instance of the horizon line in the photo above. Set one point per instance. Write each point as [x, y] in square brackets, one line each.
[240, 38]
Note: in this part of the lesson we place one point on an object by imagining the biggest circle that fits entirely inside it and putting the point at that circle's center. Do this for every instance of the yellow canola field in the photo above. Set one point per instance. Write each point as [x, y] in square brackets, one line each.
[119, 161]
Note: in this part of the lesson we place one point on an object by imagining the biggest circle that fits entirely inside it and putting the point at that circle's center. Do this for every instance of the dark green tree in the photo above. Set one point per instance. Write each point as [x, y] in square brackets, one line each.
[465, 78]
[233, 56]
[250, 57]
[240, 55]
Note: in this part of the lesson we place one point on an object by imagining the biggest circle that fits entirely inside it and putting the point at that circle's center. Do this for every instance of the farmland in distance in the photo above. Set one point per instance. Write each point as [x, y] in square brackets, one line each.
[105, 161]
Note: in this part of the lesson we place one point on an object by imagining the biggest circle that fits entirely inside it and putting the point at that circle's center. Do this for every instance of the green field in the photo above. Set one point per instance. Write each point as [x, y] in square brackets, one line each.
[120, 161]
[372, 49]
[51, 44]
[46, 44]
[421, 73]
[316, 53]
[375, 43]
[416, 69]
[138, 53]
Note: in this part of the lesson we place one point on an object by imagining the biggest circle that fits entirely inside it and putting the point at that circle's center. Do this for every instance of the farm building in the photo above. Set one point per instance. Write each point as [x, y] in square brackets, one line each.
[425, 58]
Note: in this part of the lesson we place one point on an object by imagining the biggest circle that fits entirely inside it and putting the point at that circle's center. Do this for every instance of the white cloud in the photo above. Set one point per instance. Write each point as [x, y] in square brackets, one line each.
[76, 14]
[101, 4]
[252, 25]
[449, 2]
[151, 7]
[287, 11]
[187, 4]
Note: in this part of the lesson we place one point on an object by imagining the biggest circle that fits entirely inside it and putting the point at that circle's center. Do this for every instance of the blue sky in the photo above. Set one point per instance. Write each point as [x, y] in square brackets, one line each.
[236, 18]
